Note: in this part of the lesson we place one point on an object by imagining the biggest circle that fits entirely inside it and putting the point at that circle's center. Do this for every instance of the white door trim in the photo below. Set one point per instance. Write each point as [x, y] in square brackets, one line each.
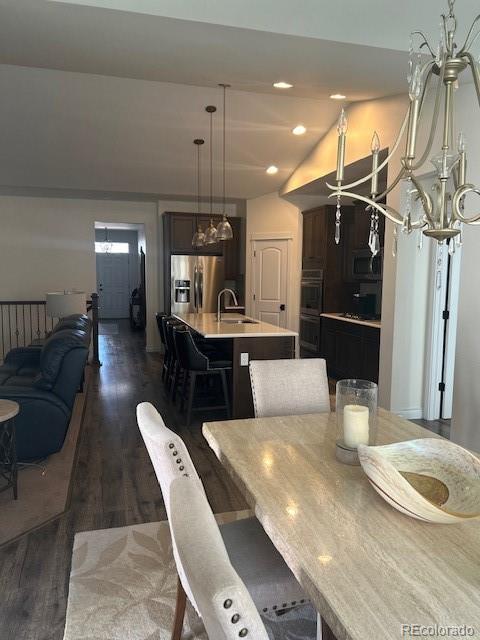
[271, 236]
[280, 235]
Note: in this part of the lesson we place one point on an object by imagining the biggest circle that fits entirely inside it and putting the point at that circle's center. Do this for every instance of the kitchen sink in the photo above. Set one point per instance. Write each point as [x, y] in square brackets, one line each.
[239, 321]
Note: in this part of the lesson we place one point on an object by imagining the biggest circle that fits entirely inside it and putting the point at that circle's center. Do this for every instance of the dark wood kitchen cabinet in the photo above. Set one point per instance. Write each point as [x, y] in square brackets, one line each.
[179, 232]
[321, 252]
[351, 350]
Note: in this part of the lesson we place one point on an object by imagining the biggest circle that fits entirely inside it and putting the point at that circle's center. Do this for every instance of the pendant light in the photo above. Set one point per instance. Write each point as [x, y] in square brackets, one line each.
[198, 239]
[224, 229]
[211, 233]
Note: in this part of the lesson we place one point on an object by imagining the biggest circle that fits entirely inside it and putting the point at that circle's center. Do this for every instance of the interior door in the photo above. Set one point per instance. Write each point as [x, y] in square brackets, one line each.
[270, 258]
[113, 285]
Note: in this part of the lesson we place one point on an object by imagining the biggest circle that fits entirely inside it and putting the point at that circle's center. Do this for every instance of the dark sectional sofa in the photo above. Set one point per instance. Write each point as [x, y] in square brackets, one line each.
[44, 379]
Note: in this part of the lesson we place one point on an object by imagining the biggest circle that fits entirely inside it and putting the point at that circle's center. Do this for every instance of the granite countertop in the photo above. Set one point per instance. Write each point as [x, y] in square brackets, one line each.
[207, 326]
[376, 324]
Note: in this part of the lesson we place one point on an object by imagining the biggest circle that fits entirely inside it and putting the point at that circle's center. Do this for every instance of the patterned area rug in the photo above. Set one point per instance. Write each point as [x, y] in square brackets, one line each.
[123, 587]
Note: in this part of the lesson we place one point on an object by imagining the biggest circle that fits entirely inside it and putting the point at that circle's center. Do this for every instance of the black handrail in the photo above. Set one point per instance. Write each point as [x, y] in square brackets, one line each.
[23, 322]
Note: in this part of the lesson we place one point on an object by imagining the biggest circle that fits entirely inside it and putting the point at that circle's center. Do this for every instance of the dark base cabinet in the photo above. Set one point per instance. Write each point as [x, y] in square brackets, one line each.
[351, 350]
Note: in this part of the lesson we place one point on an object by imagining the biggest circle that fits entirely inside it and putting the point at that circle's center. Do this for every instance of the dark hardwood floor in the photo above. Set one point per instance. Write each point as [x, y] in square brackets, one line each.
[114, 485]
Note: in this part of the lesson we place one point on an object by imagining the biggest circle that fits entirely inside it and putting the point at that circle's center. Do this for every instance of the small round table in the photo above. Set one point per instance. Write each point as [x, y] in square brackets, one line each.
[8, 451]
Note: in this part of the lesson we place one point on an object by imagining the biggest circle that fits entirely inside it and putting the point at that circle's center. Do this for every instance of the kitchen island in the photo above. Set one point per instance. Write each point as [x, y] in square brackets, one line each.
[245, 339]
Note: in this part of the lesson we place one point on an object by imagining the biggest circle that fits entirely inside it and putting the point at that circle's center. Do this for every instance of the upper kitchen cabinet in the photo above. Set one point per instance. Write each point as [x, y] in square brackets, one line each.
[232, 251]
[179, 230]
[321, 252]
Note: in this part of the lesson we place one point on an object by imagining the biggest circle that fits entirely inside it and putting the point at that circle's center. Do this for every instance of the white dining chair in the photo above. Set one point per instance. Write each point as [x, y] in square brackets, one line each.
[224, 603]
[269, 581]
[289, 387]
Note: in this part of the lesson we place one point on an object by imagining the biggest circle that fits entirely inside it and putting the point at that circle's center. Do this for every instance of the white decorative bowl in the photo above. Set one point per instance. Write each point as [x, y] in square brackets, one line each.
[430, 479]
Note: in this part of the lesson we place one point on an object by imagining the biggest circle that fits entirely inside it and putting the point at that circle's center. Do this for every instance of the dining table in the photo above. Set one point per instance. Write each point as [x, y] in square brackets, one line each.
[371, 572]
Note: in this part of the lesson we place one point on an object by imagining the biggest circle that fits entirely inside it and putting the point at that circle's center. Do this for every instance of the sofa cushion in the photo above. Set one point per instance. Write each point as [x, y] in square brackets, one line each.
[53, 353]
[21, 381]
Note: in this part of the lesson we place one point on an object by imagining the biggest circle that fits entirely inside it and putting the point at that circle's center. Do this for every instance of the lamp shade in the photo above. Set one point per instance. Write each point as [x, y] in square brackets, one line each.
[64, 303]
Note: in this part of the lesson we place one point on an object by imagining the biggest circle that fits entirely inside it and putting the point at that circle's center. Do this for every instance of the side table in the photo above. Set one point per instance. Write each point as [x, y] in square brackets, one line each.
[8, 450]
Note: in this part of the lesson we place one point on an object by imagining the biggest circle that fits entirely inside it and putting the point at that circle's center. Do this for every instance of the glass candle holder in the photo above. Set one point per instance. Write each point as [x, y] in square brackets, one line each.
[356, 409]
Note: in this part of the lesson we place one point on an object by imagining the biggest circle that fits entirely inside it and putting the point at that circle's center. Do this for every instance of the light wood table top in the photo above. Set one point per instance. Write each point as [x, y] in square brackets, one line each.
[8, 409]
[368, 568]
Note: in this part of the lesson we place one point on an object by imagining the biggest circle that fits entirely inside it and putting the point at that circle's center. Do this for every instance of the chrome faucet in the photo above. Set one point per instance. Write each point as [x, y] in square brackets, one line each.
[219, 300]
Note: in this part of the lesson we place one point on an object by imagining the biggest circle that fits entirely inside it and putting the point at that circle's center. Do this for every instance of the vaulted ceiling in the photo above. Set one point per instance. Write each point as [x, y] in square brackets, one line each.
[108, 94]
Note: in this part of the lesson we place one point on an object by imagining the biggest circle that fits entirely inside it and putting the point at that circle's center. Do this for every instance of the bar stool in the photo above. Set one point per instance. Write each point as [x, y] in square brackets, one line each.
[196, 364]
[170, 323]
[161, 330]
[178, 373]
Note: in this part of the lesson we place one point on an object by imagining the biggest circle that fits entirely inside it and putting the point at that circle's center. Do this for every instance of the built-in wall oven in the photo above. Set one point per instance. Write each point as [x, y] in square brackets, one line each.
[311, 299]
[311, 306]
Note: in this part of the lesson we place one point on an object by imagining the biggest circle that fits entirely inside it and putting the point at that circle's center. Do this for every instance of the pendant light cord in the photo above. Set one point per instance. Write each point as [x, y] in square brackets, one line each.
[211, 164]
[224, 145]
[198, 182]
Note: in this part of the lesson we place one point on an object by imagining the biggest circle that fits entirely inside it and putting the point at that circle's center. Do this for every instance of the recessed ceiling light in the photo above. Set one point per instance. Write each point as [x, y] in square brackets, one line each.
[282, 85]
[299, 130]
[337, 96]
[272, 170]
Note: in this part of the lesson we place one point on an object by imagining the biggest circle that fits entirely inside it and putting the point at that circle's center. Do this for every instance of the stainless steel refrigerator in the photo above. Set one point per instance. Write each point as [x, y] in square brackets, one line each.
[195, 283]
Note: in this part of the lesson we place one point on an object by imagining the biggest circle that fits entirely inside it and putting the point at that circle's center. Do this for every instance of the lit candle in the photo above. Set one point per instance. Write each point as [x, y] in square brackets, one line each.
[342, 130]
[375, 150]
[355, 425]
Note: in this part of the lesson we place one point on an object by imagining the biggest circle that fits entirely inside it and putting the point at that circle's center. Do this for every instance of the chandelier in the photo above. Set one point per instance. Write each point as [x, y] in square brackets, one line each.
[441, 211]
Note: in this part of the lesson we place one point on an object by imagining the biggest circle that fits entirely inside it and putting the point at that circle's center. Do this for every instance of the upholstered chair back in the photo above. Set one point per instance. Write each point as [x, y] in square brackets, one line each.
[170, 460]
[225, 605]
[289, 387]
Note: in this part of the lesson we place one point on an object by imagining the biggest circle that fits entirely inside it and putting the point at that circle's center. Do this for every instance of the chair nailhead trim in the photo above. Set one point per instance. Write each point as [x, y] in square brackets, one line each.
[178, 460]
[181, 467]
[171, 445]
[235, 618]
[227, 604]
[175, 453]
[243, 632]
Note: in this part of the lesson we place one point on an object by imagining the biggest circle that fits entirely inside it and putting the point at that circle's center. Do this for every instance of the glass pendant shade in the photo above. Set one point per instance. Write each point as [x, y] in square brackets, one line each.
[224, 230]
[211, 234]
[198, 239]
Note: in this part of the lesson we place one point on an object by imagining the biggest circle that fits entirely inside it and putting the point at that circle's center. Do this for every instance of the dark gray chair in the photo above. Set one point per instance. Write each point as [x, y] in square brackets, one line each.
[196, 364]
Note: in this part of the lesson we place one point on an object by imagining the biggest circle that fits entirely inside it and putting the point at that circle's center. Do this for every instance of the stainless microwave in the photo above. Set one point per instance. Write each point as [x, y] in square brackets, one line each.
[364, 266]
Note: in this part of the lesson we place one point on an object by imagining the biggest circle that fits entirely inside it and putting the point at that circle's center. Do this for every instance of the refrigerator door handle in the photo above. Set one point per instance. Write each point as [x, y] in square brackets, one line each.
[195, 288]
[200, 290]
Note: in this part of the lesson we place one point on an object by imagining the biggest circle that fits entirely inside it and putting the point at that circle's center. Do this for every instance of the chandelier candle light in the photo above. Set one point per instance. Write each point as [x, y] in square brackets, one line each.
[441, 213]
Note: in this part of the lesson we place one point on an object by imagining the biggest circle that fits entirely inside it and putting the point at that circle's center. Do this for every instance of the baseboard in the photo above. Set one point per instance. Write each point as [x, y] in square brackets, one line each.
[410, 414]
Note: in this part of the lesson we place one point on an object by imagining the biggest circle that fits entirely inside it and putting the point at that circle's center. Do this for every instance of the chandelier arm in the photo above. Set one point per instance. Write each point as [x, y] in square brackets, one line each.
[380, 166]
[392, 186]
[436, 111]
[475, 73]
[456, 204]
[388, 212]
[426, 200]
[425, 41]
[466, 45]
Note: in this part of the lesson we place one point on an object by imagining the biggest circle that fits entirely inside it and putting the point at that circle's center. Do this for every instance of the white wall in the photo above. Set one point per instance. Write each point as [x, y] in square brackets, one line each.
[47, 244]
[466, 396]
[271, 214]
